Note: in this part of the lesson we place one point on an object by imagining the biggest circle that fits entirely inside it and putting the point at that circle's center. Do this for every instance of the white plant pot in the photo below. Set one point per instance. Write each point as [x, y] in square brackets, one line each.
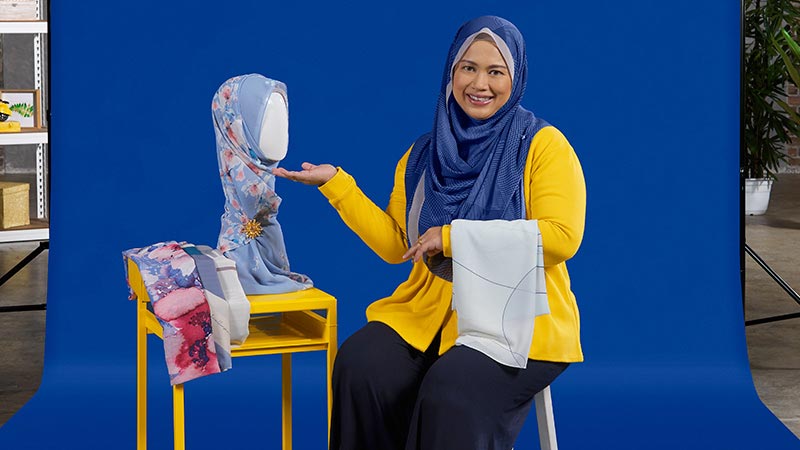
[756, 195]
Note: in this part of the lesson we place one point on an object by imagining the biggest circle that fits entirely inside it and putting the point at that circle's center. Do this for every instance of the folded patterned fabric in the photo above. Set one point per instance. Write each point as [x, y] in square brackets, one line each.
[179, 303]
[498, 286]
[220, 312]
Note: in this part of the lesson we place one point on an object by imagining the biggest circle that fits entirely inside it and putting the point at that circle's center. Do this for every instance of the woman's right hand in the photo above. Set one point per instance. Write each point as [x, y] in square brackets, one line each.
[315, 175]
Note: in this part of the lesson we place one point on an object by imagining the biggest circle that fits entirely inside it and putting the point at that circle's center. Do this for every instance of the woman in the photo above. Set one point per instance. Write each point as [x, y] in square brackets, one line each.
[400, 382]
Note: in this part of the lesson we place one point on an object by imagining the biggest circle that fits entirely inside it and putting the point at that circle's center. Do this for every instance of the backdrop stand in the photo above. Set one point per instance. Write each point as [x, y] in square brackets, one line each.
[44, 245]
[783, 284]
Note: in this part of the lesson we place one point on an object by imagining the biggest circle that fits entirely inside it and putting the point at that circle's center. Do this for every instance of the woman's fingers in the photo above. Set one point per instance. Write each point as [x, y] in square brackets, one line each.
[429, 243]
[420, 253]
[288, 174]
[311, 173]
[280, 172]
[413, 252]
[410, 252]
[302, 177]
[419, 250]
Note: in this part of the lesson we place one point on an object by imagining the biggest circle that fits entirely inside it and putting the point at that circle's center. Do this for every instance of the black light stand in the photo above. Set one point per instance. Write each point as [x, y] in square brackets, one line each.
[783, 284]
[44, 245]
[744, 247]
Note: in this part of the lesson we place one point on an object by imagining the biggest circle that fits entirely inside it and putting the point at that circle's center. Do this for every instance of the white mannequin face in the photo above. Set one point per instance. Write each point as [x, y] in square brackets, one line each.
[274, 139]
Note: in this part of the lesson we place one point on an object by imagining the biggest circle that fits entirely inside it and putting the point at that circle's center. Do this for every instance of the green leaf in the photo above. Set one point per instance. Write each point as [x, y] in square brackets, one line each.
[792, 44]
[789, 110]
[789, 64]
[23, 109]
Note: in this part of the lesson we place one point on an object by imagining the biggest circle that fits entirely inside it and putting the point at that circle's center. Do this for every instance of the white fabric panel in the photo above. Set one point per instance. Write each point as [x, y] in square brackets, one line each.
[498, 286]
[220, 322]
[234, 294]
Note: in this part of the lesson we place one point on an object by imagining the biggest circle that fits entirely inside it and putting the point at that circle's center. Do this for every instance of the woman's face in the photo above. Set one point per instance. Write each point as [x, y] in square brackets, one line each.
[481, 80]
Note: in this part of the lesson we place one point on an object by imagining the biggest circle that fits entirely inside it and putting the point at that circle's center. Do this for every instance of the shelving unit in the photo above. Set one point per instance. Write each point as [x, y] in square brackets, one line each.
[39, 137]
[39, 229]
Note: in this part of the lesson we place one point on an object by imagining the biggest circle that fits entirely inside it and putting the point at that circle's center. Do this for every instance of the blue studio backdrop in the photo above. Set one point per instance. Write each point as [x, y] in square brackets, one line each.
[647, 93]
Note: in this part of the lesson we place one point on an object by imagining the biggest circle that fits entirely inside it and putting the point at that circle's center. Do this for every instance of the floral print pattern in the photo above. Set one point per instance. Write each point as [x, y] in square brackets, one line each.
[173, 285]
[247, 179]
[249, 187]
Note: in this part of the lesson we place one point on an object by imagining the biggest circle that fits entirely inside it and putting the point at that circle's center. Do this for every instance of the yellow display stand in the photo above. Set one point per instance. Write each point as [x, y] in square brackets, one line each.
[307, 323]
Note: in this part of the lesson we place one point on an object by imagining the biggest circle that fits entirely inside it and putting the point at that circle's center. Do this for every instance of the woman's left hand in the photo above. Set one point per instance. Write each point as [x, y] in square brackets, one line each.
[430, 243]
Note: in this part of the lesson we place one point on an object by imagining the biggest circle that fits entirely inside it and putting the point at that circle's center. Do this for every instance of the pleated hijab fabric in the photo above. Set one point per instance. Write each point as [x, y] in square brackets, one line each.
[250, 234]
[473, 169]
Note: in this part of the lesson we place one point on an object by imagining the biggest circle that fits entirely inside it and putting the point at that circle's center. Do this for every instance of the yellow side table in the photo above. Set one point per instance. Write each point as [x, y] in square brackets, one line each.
[307, 323]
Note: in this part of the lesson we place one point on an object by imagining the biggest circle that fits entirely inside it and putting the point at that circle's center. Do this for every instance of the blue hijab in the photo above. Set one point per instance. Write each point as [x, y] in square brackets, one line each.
[473, 169]
[250, 233]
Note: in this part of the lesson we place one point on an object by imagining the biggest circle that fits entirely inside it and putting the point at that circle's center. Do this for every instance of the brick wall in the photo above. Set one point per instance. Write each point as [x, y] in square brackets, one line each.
[793, 148]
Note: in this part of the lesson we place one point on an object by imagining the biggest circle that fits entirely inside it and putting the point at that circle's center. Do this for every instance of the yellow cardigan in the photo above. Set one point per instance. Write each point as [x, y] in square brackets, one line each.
[556, 196]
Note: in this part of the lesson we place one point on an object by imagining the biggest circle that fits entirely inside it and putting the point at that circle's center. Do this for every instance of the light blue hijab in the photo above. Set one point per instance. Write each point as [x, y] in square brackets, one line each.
[238, 108]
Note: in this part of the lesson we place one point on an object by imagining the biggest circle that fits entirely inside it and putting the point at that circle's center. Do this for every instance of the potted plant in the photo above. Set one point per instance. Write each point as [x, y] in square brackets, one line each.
[769, 122]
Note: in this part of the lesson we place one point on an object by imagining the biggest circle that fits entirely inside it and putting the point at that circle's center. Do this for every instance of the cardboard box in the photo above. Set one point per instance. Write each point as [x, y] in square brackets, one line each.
[18, 10]
[14, 204]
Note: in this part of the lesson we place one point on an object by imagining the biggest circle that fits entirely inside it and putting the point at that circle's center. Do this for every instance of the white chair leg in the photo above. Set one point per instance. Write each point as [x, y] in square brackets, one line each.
[544, 417]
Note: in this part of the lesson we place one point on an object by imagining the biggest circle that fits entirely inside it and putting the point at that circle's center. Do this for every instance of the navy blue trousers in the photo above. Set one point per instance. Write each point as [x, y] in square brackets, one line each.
[389, 396]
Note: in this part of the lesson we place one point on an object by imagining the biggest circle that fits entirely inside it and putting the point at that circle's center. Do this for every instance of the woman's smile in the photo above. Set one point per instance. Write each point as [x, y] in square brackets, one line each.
[479, 100]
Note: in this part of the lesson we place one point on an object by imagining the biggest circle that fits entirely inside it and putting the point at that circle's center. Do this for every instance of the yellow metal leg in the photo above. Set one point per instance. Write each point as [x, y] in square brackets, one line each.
[301, 307]
[286, 394]
[331, 358]
[141, 379]
[178, 417]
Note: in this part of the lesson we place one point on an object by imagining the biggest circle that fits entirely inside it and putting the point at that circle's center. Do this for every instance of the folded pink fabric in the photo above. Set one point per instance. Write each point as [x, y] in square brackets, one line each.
[174, 287]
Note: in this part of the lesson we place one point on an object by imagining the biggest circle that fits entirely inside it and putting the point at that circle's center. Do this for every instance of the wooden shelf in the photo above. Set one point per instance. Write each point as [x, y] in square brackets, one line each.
[38, 230]
[23, 26]
[26, 136]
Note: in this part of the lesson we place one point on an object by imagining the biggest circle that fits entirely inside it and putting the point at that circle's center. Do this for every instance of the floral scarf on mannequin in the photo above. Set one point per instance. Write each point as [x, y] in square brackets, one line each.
[250, 233]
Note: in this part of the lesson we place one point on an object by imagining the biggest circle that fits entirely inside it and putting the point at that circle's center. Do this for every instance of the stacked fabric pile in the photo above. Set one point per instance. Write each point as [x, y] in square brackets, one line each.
[196, 295]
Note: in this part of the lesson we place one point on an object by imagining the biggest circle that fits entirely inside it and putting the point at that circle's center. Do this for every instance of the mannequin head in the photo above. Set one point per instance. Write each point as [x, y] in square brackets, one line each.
[274, 138]
[265, 113]
[251, 129]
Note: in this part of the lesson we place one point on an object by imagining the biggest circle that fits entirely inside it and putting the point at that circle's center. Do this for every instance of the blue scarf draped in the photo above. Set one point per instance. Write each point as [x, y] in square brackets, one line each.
[251, 202]
[474, 168]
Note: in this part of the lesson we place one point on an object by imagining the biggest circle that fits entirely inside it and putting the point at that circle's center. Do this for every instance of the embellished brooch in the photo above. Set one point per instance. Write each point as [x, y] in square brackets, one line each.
[252, 229]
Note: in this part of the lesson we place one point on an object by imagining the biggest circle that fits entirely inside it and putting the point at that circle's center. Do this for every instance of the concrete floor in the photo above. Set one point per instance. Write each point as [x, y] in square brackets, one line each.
[21, 333]
[773, 347]
[774, 353]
